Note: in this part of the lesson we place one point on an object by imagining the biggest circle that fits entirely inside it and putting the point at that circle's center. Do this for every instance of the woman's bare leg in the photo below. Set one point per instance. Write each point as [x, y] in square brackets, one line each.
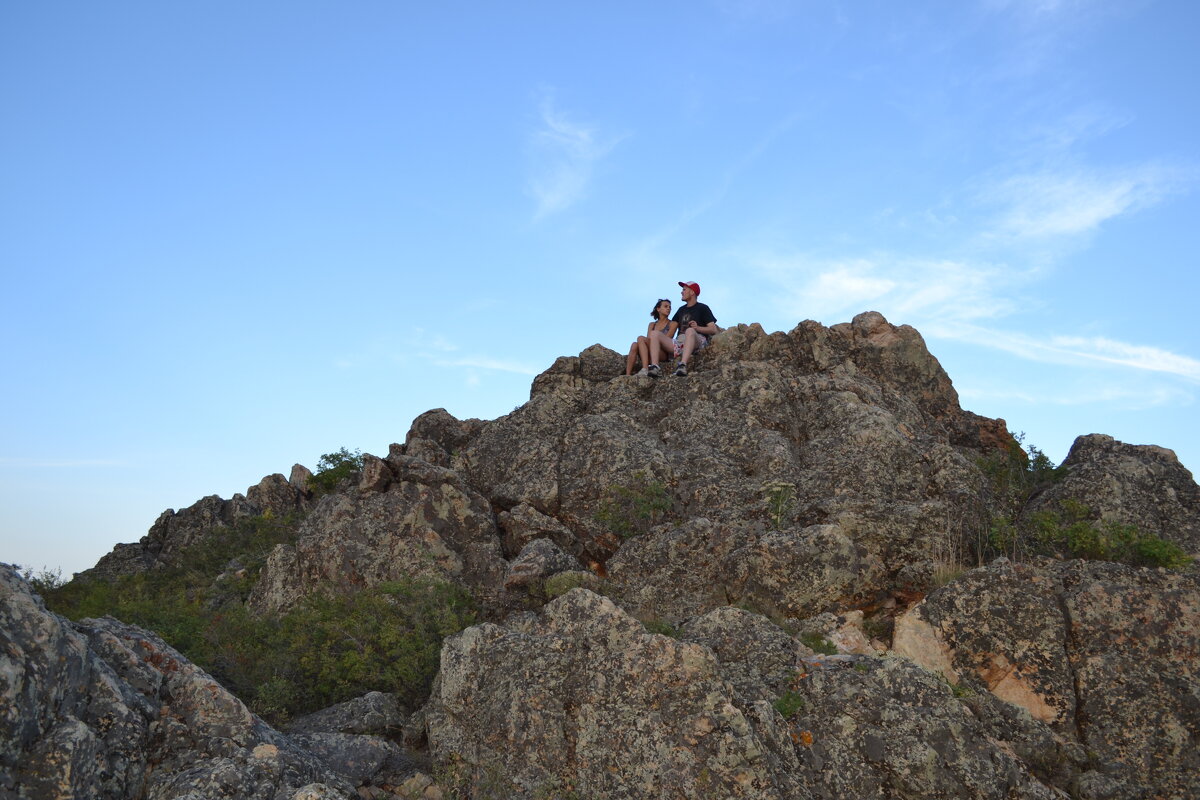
[634, 349]
[644, 350]
[663, 344]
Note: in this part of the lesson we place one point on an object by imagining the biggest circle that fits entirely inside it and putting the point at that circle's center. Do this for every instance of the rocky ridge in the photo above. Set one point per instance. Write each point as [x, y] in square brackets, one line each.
[791, 483]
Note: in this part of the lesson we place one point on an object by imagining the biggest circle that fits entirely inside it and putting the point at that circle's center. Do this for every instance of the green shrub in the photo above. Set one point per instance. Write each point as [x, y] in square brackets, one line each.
[560, 583]
[1067, 532]
[632, 510]
[789, 704]
[818, 643]
[661, 627]
[43, 581]
[327, 649]
[333, 468]
[387, 637]
[780, 497]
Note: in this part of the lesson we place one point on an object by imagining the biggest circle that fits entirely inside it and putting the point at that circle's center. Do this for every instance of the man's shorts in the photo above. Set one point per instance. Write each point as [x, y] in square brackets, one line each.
[702, 342]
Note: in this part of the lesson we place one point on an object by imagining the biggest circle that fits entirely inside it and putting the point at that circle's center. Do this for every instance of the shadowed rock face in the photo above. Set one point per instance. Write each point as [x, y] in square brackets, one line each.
[100, 709]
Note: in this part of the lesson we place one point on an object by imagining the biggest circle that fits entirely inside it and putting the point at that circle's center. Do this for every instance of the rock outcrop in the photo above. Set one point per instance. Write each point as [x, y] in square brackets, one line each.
[791, 486]
[1104, 653]
[406, 519]
[582, 698]
[859, 420]
[1140, 485]
[174, 531]
[101, 709]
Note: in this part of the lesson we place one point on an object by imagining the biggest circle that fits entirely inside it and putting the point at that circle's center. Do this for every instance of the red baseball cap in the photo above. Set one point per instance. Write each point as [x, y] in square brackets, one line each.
[695, 287]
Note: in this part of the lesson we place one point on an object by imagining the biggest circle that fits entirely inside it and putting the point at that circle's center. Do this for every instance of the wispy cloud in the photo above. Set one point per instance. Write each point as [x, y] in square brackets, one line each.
[1073, 349]
[1071, 202]
[1130, 355]
[564, 154]
[909, 288]
[647, 255]
[1035, 7]
[1136, 398]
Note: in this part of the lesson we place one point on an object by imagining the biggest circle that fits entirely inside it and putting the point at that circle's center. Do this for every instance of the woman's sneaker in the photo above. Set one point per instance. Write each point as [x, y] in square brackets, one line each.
[653, 371]
[643, 372]
[681, 370]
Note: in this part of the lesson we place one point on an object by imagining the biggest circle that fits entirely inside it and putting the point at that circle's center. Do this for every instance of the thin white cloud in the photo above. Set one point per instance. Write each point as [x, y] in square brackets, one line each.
[1077, 126]
[1074, 202]
[1042, 9]
[642, 252]
[908, 288]
[1134, 399]
[948, 300]
[850, 284]
[1072, 349]
[564, 154]
[1131, 355]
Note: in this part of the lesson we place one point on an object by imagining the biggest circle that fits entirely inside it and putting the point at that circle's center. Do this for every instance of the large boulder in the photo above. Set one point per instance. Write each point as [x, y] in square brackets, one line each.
[374, 713]
[583, 697]
[105, 710]
[1103, 653]
[677, 573]
[406, 519]
[580, 698]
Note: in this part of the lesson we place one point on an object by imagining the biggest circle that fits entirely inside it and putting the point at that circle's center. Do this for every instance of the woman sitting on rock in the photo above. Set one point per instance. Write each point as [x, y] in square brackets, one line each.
[661, 314]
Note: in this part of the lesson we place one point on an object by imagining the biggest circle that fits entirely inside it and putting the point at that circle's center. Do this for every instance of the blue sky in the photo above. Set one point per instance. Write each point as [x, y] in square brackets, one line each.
[235, 236]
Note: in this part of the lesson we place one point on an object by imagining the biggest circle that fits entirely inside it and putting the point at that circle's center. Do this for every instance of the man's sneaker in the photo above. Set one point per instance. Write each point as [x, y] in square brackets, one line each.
[681, 370]
[643, 372]
[653, 371]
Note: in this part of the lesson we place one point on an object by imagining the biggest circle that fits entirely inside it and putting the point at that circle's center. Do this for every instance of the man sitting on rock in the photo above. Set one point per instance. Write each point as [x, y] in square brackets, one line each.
[696, 326]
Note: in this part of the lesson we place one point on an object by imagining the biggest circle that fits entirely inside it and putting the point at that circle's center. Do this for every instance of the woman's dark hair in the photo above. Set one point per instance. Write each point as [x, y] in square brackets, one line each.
[654, 311]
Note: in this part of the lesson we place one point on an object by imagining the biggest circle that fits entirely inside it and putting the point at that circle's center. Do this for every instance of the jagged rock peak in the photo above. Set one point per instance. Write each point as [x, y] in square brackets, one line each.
[174, 531]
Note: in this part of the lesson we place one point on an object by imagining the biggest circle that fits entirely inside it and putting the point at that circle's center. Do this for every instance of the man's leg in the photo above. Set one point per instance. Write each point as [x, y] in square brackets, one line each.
[689, 345]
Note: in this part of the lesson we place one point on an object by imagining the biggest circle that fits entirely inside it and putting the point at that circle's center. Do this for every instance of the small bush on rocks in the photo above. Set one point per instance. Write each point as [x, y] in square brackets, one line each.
[633, 510]
[1068, 533]
[818, 644]
[789, 704]
[780, 497]
[333, 468]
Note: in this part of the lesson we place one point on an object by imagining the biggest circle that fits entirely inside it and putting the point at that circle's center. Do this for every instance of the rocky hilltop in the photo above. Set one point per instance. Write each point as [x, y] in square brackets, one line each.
[802, 571]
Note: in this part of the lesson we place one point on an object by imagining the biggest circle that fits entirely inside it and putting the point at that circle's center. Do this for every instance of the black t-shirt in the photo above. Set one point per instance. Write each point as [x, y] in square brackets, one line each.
[701, 313]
